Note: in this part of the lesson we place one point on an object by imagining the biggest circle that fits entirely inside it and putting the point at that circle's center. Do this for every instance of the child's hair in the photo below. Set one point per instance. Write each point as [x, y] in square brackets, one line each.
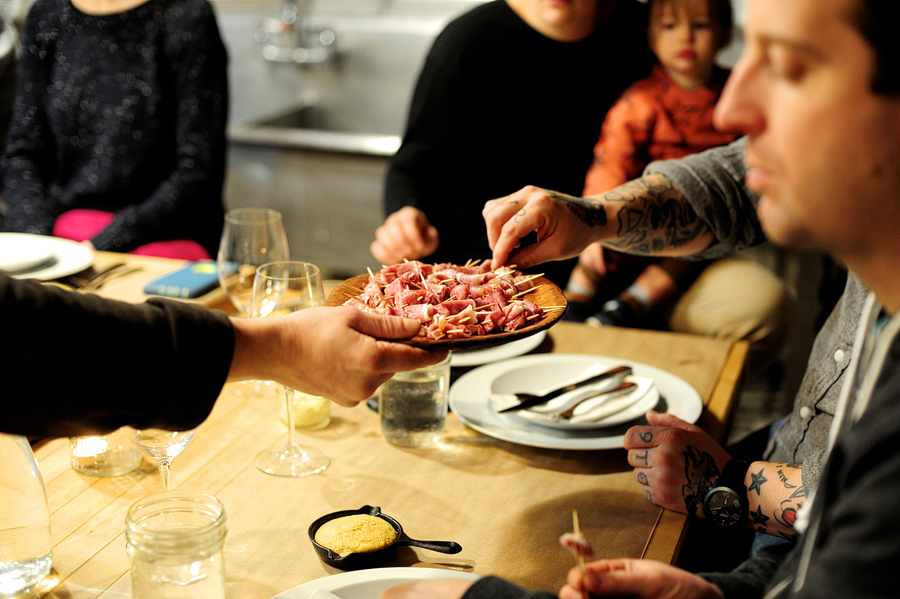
[719, 15]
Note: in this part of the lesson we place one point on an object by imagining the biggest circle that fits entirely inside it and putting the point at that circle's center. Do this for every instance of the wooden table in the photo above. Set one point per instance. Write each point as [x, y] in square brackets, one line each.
[505, 504]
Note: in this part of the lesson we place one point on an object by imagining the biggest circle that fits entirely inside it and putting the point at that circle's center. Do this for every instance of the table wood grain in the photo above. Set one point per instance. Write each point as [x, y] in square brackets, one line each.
[505, 504]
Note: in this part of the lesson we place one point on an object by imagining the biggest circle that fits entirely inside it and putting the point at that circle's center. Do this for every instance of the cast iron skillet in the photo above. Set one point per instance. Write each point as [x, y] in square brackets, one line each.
[369, 559]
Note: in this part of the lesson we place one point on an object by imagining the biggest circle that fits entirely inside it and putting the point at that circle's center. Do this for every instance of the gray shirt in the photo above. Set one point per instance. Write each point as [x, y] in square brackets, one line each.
[713, 183]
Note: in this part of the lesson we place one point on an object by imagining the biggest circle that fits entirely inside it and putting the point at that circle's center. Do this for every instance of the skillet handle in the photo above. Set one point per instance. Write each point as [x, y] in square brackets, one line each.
[439, 546]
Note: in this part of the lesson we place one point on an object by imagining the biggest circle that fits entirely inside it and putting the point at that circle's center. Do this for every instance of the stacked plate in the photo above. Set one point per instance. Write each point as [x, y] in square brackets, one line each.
[598, 421]
[40, 257]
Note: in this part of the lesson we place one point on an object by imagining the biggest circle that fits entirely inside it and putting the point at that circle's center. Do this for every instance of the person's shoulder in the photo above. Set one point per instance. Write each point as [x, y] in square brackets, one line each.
[187, 23]
[47, 10]
[483, 22]
[186, 13]
[43, 20]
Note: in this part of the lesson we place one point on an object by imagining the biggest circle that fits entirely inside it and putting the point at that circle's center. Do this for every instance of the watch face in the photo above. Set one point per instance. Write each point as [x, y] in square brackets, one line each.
[723, 507]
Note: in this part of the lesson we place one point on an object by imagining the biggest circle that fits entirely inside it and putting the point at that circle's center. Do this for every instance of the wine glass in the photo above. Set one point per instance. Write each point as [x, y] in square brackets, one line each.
[250, 237]
[161, 445]
[281, 288]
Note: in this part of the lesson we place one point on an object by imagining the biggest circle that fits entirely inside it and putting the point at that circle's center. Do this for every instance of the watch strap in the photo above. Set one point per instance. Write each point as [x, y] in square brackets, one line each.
[733, 475]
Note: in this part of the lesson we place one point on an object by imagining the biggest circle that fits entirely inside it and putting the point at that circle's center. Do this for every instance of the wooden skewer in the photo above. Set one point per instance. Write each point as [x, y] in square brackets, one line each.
[525, 291]
[578, 557]
[531, 278]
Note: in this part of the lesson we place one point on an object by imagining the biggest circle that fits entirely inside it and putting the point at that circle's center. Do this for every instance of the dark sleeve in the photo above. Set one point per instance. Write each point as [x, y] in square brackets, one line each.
[80, 363]
[434, 113]
[748, 581]
[28, 161]
[191, 194]
[713, 184]
[491, 587]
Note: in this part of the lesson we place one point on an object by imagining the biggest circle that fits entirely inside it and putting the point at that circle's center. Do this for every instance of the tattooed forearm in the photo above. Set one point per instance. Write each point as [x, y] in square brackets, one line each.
[588, 211]
[774, 506]
[653, 217]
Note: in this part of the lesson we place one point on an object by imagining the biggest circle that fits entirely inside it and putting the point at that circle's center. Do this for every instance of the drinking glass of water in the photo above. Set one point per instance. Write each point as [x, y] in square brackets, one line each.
[413, 405]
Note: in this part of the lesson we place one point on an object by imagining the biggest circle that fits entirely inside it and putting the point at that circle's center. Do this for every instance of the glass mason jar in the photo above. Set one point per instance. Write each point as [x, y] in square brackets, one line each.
[413, 405]
[175, 541]
[25, 556]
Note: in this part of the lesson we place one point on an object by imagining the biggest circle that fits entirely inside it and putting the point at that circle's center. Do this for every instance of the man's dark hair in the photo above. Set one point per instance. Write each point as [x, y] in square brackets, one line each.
[877, 22]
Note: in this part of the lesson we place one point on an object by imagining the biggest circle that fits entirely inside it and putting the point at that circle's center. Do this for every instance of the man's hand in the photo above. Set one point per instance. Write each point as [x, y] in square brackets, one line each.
[338, 352]
[644, 579]
[676, 462]
[564, 224]
[405, 234]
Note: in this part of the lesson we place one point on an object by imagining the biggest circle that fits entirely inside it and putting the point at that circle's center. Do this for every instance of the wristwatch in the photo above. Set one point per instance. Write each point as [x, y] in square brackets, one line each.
[725, 503]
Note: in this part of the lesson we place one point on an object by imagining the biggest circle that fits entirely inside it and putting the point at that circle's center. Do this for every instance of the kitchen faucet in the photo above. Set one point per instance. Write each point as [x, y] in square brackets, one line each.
[292, 38]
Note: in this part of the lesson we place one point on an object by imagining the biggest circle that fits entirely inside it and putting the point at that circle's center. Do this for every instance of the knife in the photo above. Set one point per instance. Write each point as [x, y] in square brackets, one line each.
[535, 400]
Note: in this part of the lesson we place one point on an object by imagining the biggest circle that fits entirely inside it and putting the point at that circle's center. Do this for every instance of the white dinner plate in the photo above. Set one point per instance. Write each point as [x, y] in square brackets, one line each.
[470, 400]
[370, 583]
[68, 256]
[478, 357]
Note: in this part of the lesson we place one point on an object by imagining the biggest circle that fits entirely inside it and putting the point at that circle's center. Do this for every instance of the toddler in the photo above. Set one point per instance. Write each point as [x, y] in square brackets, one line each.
[666, 115]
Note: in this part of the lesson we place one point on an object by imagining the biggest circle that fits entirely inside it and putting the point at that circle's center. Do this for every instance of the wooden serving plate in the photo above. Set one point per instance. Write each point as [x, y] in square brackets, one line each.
[545, 293]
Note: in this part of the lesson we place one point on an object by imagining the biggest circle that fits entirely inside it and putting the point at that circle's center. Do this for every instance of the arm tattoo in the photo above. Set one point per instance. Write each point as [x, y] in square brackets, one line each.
[700, 472]
[786, 513]
[758, 480]
[590, 212]
[653, 216]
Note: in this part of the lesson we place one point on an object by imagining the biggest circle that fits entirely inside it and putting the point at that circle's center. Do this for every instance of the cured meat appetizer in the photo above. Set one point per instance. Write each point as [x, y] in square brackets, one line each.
[451, 301]
[577, 544]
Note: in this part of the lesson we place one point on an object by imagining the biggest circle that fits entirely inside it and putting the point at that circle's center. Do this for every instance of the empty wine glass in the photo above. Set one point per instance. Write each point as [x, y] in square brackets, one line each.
[160, 445]
[281, 288]
[250, 237]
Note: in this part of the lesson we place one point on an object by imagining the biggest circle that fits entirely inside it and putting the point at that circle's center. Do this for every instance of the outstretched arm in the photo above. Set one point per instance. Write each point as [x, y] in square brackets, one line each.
[338, 352]
[648, 216]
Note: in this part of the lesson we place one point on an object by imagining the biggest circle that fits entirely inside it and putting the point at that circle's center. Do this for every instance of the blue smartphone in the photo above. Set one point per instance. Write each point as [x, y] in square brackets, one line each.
[194, 280]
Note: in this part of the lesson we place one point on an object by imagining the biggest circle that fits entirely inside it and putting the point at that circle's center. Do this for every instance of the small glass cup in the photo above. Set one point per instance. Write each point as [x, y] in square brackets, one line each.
[175, 540]
[311, 412]
[106, 455]
[413, 405]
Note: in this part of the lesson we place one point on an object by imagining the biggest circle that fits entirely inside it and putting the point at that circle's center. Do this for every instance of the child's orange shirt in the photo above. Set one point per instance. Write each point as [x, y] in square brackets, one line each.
[654, 119]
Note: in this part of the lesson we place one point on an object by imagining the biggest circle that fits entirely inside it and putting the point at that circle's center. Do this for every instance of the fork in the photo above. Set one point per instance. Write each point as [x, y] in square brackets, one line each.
[78, 282]
[99, 281]
[620, 390]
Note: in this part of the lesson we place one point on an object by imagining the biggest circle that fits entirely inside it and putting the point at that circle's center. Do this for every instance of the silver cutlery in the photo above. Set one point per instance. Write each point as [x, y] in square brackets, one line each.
[529, 400]
[106, 276]
[622, 389]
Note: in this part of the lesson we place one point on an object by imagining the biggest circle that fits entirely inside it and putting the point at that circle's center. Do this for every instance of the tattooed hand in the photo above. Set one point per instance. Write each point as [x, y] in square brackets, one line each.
[676, 462]
[648, 216]
[565, 225]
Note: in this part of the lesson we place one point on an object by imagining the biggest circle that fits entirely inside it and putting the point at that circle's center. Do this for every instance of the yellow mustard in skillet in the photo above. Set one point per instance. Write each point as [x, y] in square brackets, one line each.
[358, 533]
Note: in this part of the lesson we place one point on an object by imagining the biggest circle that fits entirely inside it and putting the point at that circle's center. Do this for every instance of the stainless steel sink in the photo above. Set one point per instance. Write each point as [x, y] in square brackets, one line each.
[313, 141]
